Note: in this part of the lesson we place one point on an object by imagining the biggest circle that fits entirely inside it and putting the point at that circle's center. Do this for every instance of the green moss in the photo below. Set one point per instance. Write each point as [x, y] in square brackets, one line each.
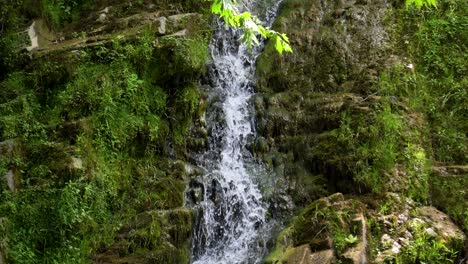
[448, 193]
[283, 243]
[108, 110]
[427, 249]
[327, 223]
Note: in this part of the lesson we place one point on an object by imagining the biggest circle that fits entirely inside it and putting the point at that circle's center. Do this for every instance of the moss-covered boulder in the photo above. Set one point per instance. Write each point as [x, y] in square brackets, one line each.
[448, 192]
[152, 237]
[386, 229]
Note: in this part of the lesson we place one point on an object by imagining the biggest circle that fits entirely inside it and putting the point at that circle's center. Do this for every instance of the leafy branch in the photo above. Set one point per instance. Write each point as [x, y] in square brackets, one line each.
[229, 12]
[421, 3]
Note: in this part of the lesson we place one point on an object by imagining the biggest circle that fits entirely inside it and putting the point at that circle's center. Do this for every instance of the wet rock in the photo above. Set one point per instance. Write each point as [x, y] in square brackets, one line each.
[195, 193]
[216, 192]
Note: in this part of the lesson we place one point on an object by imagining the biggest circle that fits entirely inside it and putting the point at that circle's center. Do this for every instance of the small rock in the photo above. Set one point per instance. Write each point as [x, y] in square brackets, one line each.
[431, 232]
[386, 241]
[325, 257]
[76, 164]
[410, 67]
[161, 24]
[105, 10]
[396, 247]
[402, 218]
[102, 17]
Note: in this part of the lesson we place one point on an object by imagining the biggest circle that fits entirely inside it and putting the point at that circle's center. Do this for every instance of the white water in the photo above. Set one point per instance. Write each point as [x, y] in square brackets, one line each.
[33, 37]
[232, 223]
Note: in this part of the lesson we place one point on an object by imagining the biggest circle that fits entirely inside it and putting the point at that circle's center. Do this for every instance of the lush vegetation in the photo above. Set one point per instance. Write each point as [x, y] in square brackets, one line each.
[92, 140]
[369, 120]
[88, 140]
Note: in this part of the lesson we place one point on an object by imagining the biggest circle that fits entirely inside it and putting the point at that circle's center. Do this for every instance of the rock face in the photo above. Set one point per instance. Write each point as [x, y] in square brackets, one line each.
[100, 111]
[339, 45]
[123, 28]
[335, 229]
[329, 121]
[165, 235]
[322, 122]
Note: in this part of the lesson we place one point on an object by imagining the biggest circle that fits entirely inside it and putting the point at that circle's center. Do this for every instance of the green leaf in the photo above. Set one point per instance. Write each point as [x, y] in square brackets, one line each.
[227, 10]
[278, 45]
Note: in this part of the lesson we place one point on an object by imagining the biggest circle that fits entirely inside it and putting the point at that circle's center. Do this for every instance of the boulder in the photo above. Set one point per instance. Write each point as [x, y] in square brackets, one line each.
[441, 225]
[303, 255]
[397, 226]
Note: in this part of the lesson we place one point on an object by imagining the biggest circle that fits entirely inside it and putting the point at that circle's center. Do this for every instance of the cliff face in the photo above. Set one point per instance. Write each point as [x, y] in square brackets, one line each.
[97, 116]
[358, 109]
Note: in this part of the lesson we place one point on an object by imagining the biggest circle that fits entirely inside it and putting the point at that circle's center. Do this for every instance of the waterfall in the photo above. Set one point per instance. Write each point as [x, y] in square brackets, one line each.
[231, 223]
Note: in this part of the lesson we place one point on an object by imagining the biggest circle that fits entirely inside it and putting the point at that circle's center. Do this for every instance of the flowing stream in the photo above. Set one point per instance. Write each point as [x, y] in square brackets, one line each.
[231, 224]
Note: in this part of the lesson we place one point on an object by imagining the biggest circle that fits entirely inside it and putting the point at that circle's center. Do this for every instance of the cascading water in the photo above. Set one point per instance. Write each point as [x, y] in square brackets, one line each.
[231, 225]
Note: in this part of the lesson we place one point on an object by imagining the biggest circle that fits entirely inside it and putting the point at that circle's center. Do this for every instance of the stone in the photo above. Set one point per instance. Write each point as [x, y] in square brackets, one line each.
[161, 24]
[76, 164]
[442, 224]
[303, 255]
[102, 18]
[431, 232]
[386, 241]
[357, 254]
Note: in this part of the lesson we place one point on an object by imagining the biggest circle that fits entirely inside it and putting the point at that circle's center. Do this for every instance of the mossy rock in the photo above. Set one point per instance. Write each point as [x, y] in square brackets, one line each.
[447, 186]
[153, 237]
[326, 224]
